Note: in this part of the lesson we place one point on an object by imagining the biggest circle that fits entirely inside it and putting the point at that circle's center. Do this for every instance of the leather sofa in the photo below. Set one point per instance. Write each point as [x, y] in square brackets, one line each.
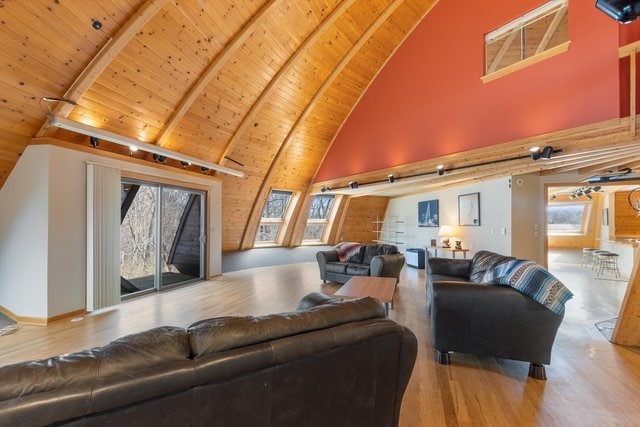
[485, 320]
[330, 363]
[373, 259]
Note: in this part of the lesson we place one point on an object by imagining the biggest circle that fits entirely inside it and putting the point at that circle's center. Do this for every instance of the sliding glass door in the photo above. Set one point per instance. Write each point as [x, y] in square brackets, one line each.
[162, 240]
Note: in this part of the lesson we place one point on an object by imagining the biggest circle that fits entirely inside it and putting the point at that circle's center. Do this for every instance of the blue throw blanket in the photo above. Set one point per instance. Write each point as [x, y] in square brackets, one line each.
[532, 280]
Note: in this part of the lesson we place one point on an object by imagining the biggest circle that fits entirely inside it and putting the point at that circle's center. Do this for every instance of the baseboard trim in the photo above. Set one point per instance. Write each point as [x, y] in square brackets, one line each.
[39, 321]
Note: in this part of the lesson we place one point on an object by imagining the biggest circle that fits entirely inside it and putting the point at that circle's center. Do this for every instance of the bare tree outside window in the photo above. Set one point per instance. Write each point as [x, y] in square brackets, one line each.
[273, 216]
[318, 217]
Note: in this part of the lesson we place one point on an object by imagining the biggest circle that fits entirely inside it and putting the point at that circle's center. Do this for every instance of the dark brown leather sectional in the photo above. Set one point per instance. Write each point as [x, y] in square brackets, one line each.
[330, 363]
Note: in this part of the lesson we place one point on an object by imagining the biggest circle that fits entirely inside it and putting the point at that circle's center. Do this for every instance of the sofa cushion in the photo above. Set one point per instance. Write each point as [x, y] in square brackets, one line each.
[221, 334]
[536, 282]
[336, 267]
[358, 269]
[442, 278]
[484, 261]
[346, 249]
[372, 250]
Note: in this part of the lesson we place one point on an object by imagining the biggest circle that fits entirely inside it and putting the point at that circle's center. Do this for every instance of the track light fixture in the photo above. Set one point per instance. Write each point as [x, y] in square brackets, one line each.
[204, 169]
[440, 170]
[185, 164]
[159, 158]
[325, 189]
[547, 152]
[94, 141]
[353, 184]
[105, 135]
[391, 178]
[579, 192]
[535, 153]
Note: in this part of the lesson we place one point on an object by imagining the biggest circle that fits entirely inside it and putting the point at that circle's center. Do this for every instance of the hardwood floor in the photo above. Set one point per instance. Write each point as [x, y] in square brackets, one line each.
[590, 381]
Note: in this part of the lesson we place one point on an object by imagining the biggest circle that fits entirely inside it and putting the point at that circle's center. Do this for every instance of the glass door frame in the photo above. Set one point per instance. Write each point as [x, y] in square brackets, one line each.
[157, 286]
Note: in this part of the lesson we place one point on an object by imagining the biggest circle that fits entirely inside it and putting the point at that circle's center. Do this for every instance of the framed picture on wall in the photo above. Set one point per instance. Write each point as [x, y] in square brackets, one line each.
[469, 209]
[428, 214]
[605, 216]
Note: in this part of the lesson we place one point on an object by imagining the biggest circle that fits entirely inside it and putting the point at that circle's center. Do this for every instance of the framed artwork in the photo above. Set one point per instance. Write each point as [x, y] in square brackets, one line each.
[428, 214]
[605, 216]
[469, 209]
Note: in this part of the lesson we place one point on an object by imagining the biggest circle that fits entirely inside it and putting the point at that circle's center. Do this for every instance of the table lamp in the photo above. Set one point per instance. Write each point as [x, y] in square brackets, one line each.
[446, 231]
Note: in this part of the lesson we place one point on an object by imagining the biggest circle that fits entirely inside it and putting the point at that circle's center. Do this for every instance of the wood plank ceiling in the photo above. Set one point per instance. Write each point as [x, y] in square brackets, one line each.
[265, 84]
[259, 85]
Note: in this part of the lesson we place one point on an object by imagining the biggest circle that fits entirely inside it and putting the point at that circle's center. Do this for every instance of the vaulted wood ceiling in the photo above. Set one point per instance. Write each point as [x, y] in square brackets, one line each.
[262, 86]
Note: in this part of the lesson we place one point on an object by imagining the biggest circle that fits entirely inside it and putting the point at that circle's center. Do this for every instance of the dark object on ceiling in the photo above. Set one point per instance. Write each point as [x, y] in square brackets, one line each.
[617, 176]
[623, 11]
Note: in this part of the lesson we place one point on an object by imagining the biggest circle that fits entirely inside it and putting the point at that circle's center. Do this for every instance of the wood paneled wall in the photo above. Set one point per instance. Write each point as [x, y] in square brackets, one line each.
[627, 222]
[359, 217]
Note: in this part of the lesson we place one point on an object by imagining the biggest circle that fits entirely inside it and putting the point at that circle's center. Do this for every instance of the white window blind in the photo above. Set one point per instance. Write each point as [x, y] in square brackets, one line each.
[103, 236]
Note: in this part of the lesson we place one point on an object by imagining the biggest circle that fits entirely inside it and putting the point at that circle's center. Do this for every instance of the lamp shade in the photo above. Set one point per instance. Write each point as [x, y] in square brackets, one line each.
[446, 231]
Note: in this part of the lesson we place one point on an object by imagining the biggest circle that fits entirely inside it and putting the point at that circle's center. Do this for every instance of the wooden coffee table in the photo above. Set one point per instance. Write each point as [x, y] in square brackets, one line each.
[380, 288]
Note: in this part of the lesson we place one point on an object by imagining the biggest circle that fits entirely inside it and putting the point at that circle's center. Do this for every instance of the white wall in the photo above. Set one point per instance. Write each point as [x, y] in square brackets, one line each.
[43, 231]
[494, 232]
[24, 235]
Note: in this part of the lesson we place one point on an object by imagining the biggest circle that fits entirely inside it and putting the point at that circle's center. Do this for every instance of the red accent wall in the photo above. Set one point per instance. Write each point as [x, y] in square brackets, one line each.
[429, 101]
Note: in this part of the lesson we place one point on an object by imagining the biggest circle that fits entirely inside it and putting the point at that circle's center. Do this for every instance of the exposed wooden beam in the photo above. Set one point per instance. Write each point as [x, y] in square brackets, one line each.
[503, 50]
[101, 61]
[211, 71]
[551, 30]
[632, 93]
[597, 160]
[282, 72]
[250, 229]
[627, 329]
[603, 166]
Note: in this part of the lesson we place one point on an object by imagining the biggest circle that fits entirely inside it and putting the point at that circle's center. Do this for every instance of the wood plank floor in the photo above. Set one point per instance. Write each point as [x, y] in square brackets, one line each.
[590, 381]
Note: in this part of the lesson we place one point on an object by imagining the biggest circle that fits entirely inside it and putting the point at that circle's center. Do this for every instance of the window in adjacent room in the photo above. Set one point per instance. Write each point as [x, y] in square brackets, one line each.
[537, 35]
[568, 218]
[318, 218]
[274, 215]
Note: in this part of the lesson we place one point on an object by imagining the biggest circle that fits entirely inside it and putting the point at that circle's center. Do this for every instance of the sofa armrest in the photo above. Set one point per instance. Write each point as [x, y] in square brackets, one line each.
[493, 321]
[387, 265]
[449, 267]
[315, 299]
[323, 257]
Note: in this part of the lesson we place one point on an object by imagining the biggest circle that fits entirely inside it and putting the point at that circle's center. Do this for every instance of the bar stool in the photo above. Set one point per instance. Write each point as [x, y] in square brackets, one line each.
[587, 256]
[595, 264]
[608, 261]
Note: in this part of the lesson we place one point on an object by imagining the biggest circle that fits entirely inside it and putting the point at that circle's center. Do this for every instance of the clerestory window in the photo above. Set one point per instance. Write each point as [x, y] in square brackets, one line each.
[318, 218]
[533, 37]
[273, 219]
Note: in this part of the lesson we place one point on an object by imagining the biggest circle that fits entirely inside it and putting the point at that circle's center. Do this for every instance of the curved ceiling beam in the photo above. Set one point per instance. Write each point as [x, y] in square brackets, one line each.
[284, 70]
[101, 61]
[264, 186]
[212, 70]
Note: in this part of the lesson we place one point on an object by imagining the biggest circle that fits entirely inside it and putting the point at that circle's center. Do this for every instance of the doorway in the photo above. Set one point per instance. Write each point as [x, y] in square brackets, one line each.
[162, 236]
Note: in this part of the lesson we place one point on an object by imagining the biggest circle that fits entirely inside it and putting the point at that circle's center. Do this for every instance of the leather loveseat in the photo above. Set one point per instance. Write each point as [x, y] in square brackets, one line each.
[330, 363]
[372, 260]
[476, 318]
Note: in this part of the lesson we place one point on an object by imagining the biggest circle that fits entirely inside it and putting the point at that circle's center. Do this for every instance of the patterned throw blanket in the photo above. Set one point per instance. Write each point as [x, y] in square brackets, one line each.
[529, 278]
[346, 250]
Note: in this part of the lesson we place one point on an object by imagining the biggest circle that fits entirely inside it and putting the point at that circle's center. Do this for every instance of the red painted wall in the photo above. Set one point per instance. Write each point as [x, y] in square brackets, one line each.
[429, 101]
